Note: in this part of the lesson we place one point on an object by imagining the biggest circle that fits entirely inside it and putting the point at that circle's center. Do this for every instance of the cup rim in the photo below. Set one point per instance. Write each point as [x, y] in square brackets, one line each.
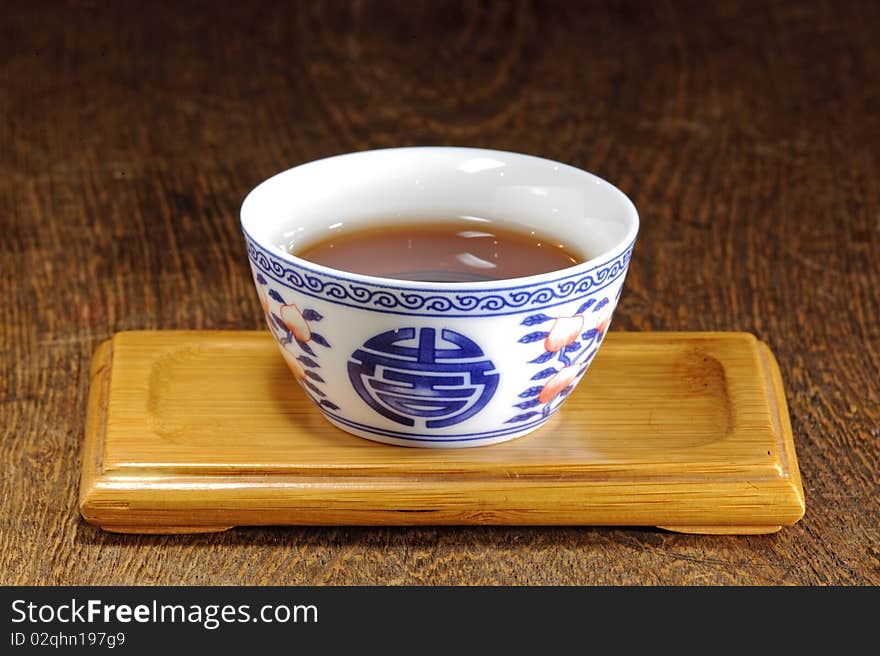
[622, 245]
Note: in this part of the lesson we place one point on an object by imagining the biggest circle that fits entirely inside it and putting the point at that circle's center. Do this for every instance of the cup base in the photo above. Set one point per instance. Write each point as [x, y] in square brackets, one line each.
[376, 435]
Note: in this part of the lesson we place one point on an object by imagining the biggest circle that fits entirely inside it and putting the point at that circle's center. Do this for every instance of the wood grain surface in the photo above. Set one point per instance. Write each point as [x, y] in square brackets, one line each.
[747, 134]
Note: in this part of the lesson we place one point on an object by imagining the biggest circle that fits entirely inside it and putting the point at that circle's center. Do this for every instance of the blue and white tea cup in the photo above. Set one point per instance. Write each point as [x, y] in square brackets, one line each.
[431, 364]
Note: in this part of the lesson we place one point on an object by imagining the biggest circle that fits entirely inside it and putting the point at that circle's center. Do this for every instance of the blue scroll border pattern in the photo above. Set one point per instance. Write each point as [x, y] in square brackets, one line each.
[442, 302]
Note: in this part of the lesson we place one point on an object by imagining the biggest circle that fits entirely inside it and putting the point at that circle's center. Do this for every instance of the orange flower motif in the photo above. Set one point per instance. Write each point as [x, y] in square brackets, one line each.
[564, 331]
[295, 366]
[560, 380]
[293, 319]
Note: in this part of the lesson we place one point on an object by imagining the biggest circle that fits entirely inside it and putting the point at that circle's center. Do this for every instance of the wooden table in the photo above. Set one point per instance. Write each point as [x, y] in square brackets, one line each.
[746, 133]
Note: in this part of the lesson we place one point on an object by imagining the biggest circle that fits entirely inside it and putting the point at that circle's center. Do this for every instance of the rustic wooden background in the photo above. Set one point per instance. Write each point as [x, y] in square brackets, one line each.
[747, 133]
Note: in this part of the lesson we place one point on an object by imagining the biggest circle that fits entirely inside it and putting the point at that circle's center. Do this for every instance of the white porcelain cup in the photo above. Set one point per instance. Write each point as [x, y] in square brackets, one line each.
[431, 364]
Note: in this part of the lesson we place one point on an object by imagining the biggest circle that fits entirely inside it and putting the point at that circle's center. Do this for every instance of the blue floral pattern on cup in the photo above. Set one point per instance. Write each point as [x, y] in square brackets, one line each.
[291, 327]
[568, 351]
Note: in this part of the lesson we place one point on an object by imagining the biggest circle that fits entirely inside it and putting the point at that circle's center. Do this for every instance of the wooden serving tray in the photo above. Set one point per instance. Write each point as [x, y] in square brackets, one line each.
[202, 431]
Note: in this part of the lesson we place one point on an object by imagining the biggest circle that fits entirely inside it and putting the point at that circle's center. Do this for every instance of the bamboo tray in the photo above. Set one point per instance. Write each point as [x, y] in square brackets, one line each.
[201, 431]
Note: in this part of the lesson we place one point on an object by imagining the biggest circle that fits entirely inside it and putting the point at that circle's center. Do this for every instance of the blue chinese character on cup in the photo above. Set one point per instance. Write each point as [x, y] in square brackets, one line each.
[410, 375]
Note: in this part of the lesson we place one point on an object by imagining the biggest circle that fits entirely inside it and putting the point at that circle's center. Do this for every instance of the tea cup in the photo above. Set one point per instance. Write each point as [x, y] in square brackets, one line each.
[428, 364]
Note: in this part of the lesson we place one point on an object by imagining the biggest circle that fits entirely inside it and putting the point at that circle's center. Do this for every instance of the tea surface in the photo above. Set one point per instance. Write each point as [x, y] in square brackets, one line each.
[456, 250]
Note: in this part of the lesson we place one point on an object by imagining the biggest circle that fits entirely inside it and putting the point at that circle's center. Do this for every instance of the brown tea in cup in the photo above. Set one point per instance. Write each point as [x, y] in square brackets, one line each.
[461, 249]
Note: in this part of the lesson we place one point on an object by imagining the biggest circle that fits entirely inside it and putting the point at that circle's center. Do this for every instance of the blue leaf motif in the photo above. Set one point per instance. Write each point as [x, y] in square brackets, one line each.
[574, 346]
[533, 337]
[601, 304]
[318, 339]
[522, 417]
[586, 361]
[314, 388]
[525, 405]
[535, 319]
[305, 347]
[328, 404]
[546, 355]
[590, 334]
[276, 296]
[279, 322]
[312, 315]
[532, 391]
[544, 373]
[314, 376]
[586, 305]
[307, 361]
[565, 392]
[261, 279]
